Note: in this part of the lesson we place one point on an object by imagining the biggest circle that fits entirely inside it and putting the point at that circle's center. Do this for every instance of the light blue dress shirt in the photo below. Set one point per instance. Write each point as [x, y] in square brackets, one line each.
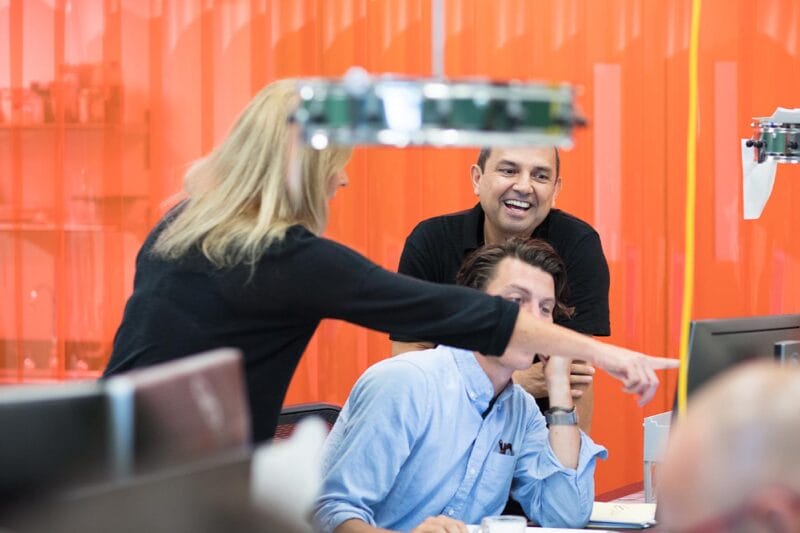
[411, 443]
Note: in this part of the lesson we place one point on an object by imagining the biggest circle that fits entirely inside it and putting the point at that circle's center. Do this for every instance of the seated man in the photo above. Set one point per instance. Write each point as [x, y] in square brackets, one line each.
[437, 438]
[733, 464]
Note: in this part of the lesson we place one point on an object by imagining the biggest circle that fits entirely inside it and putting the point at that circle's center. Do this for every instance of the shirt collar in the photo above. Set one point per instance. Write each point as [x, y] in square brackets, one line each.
[542, 231]
[473, 228]
[477, 384]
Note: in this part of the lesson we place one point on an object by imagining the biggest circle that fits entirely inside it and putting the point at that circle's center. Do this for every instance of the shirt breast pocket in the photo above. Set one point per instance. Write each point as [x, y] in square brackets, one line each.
[495, 485]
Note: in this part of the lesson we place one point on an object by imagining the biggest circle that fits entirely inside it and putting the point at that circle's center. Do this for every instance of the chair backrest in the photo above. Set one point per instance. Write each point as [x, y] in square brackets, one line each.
[181, 411]
[52, 436]
[292, 414]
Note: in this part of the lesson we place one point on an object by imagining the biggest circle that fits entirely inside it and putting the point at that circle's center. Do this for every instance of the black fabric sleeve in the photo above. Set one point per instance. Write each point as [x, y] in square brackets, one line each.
[443, 314]
[340, 283]
[589, 280]
[416, 262]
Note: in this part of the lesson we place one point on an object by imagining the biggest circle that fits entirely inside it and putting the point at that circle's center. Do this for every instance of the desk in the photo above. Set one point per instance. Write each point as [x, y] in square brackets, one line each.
[636, 497]
[531, 529]
[633, 493]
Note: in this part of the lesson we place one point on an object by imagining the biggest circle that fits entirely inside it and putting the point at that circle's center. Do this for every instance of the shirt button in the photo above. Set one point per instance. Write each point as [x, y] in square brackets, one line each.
[471, 471]
[450, 512]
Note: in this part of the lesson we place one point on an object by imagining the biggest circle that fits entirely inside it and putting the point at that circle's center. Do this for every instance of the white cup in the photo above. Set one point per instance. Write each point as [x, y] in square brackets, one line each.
[504, 524]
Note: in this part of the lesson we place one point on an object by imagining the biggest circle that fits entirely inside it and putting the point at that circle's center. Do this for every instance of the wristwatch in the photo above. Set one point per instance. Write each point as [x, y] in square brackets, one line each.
[558, 416]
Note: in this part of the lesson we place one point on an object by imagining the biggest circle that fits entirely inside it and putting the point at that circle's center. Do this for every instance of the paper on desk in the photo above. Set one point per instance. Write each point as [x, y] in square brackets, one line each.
[610, 514]
[758, 179]
[477, 529]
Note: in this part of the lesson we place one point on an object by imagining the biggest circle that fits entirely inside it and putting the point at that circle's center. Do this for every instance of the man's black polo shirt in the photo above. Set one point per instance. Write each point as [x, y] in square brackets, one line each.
[436, 248]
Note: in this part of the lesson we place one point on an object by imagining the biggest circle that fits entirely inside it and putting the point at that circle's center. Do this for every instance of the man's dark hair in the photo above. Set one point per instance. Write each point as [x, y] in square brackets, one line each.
[483, 155]
[480, 266]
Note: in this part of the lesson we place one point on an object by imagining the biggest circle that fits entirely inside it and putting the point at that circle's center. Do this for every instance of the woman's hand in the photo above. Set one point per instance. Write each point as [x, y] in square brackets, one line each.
[636, 371]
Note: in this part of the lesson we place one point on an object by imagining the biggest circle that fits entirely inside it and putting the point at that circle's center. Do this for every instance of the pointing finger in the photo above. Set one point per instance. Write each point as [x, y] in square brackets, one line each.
[662, 363]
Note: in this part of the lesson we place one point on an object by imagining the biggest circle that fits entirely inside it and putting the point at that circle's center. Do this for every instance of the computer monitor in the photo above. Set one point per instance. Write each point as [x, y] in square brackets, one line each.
[53, 436]
[180, 411]
[74, 436]
[718, 344]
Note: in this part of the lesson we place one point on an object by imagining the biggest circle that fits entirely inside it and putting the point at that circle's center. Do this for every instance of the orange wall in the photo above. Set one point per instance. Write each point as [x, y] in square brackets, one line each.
[78, 193]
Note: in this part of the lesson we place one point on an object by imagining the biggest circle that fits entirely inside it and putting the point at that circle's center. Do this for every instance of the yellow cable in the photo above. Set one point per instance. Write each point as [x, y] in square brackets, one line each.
[691, 182]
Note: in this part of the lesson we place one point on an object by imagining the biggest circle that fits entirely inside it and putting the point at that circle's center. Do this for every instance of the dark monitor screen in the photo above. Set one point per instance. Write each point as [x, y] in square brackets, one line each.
[718, 344]
[52, 436]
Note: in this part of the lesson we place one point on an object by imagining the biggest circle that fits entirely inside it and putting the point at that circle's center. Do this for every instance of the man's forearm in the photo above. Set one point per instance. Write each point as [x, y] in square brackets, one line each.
[565, 440]
[354, 525]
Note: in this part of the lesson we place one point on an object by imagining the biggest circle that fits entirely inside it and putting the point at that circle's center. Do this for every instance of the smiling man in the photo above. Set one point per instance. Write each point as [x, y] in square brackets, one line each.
[517, 188]
[431, 440]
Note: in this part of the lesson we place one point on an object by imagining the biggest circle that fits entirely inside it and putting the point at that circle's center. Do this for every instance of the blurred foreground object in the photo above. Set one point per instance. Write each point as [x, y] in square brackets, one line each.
[286, 474]
[396, 111]
[733, 463]
[53, 436]
[202, 497]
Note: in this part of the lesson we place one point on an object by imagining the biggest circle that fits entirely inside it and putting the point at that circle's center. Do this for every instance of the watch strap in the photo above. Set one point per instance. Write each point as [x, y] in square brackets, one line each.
[559, 416]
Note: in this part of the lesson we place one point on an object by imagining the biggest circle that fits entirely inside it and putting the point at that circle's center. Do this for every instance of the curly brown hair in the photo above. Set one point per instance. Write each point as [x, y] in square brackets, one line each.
[479, 267]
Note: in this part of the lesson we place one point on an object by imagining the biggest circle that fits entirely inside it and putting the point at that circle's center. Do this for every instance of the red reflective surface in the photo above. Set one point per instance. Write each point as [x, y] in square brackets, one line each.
[128, 93]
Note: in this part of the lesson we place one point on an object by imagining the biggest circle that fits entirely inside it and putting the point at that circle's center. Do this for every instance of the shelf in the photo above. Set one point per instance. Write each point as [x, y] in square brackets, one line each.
[75, 126]
[86, 360]
[33, 226]
[109, 197]
[11, 376]
[111, 206]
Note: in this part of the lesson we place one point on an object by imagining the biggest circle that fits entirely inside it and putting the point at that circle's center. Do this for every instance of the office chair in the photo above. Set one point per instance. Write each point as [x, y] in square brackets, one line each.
[292, 414]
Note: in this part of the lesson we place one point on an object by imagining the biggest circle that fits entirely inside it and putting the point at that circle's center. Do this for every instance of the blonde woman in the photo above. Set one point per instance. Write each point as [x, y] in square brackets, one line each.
[241, 263]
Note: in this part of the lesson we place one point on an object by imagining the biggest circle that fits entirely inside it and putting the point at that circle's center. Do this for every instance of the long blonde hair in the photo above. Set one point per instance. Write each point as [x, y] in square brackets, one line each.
[239, 197]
